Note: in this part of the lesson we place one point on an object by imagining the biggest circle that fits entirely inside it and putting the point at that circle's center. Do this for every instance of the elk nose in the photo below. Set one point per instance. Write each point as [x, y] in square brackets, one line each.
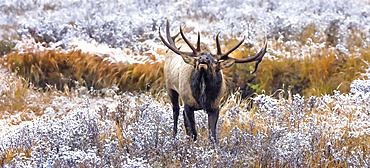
[203, 62]
[204, 59]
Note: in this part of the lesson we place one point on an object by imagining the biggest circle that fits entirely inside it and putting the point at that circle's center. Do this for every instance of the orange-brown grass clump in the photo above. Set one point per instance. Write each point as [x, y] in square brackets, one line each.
[48, 68]
[19, 101]
[22, 101]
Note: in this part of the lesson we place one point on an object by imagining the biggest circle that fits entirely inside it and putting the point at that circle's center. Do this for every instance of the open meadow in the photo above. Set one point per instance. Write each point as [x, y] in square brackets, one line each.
[82, 84]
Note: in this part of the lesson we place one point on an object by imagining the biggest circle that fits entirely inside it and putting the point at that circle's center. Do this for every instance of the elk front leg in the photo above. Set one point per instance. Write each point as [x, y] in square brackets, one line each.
[176, 109]
[212, 122]
[190, 122]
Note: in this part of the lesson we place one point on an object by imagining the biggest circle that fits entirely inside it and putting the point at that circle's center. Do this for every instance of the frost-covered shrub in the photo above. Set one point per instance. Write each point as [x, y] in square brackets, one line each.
[69, 141]
[360, 86]
[134, 129]
[134, 24]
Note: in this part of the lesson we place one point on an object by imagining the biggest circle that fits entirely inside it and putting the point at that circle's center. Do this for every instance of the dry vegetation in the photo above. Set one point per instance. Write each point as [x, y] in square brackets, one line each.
[53, 68]
[327, 131]
[313, 67]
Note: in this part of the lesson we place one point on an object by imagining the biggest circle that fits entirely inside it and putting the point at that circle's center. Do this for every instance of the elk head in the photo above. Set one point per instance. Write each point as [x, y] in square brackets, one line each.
[201, 60]
[197, 78]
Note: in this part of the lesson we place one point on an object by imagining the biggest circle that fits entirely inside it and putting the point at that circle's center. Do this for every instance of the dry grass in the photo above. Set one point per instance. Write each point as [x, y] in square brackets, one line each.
[18, 93]
[21, 101]
[66, 70]
[309, 70]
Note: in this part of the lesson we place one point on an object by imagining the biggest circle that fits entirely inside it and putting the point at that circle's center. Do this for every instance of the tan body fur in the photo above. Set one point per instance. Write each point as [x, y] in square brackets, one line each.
[177, 76]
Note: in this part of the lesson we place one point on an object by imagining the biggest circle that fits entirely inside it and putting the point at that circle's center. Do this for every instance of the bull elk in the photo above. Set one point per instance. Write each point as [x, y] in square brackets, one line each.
[196, 77]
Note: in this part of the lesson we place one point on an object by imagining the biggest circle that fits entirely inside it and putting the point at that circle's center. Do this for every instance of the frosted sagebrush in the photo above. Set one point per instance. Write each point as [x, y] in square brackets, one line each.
[134, 24]
[270, 135]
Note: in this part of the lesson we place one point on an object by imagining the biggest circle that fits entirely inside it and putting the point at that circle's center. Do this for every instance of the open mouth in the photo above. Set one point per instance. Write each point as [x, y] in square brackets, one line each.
[203, 65]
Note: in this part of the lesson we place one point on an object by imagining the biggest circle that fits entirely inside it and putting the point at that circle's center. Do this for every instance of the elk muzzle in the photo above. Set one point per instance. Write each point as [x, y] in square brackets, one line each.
[204, 61]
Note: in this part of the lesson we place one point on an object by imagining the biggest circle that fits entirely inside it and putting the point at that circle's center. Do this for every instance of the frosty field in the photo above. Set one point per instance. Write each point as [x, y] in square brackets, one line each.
[81, 84]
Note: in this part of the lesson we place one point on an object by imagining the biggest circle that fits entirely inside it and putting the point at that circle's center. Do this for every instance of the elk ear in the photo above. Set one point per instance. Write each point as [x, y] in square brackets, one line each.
[188, 59]
[227, 63]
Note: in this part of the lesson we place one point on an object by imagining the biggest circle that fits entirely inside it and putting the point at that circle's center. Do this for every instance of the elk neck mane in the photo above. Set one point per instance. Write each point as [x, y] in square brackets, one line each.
[205, 87]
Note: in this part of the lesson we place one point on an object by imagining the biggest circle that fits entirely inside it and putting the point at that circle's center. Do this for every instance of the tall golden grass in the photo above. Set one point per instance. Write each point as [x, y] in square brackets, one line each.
[55, 68]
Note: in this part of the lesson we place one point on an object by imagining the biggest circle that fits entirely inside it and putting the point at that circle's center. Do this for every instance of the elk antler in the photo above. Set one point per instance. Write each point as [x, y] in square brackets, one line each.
[258, 57]
[219, 53]
[226, 55]
[171, 44]
[195, 51]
